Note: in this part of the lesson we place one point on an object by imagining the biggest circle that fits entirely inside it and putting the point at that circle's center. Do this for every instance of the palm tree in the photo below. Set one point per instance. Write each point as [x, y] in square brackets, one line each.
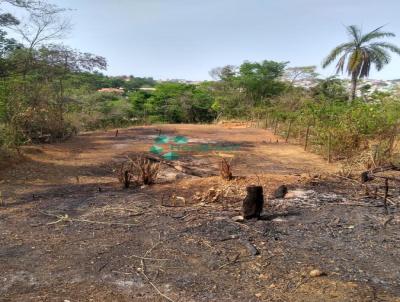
[360, 53]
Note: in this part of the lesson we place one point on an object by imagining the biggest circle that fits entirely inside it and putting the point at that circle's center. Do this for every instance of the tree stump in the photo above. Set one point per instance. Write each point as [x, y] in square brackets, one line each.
[365, 177]
[281, 192]
[127, 179]
[253, 203]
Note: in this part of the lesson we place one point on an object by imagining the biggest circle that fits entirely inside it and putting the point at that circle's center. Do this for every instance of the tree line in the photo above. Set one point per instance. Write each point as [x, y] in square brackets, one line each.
[49, 92]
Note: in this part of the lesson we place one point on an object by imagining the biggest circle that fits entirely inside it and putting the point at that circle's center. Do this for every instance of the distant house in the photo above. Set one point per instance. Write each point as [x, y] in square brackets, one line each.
[119, 91]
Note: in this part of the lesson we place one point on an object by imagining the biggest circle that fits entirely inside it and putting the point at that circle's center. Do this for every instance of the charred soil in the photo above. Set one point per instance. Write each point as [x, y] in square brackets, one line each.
[70, 232]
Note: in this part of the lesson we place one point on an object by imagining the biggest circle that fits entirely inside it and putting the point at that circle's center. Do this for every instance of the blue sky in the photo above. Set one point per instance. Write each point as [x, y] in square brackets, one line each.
[187, 38]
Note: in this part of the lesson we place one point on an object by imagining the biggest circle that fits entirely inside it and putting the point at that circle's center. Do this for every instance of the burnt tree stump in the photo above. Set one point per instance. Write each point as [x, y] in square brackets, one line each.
[127, 180]
[281, 192]
[253, 203]
[366, 177]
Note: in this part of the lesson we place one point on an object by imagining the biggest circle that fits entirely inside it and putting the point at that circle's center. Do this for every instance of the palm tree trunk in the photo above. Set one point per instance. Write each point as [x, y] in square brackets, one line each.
[353, 87]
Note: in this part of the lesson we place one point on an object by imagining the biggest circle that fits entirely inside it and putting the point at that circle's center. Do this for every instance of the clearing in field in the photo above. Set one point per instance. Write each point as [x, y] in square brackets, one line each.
[71, 232]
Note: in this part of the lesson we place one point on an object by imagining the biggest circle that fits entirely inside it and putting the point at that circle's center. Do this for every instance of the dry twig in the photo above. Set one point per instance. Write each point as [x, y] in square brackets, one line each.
[66, 218]
[143, 271]
[226, 170]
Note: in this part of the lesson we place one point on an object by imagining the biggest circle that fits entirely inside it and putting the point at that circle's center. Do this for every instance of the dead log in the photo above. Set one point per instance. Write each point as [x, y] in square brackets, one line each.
[179, 167]
[253, 203]
[372, 174]
[390, 167]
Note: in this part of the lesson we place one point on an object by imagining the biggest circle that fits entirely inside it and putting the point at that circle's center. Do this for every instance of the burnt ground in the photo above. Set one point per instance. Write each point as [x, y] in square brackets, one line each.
[69, 232]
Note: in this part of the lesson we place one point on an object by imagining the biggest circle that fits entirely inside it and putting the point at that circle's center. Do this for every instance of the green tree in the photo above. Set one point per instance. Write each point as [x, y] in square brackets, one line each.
[330, 89]
[360, 53]
[261, 80]
[300, 73]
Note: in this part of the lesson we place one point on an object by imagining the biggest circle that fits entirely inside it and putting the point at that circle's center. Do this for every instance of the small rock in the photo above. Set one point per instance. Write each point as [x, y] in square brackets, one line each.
[258, 295]
[316, 273]
[238, 218]
[167, 287]
[279, 220]
[182, 199]
[290, 195]
[178, 215]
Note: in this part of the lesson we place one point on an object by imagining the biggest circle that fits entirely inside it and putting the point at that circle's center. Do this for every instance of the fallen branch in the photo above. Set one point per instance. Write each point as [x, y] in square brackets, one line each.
[387, 221]
[66, 218]
[365, 185]
[147, 258]
[136, 213]
[179, 167]
[156, 288]
[356, 204]
[349, 179]
[143, 271]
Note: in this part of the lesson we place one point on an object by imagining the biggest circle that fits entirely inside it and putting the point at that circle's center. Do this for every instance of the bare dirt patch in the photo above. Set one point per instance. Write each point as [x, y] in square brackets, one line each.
[68, 231]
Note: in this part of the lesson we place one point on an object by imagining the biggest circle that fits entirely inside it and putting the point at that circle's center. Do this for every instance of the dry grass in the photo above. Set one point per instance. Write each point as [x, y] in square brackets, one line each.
[147, 170]
[138, 171]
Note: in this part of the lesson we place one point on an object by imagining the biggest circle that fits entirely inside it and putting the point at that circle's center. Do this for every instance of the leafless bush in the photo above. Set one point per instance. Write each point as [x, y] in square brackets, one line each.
[147, 170]
[140, 171]
[355, 164]
[126, 173]
[225, 170]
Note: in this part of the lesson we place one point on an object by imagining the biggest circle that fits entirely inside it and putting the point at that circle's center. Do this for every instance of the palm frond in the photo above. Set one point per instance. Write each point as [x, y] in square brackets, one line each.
[376, 34]
[366, 63]
[336, 52]
[388, 46]
[379, 56]
[355, 33]
[341, 62]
